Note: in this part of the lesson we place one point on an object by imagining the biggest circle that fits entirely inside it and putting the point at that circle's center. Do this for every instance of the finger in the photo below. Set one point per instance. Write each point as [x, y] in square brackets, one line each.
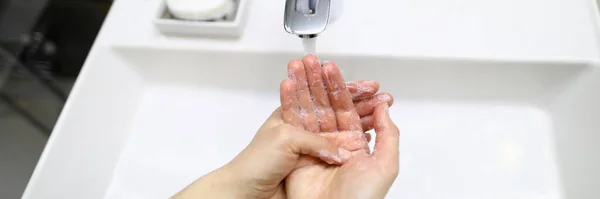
[387, 136]
[296, 73]
[367, 123]
[366, 106]
[338, 93]
[305, 143]
[306, 161]
[362, 88]
[325, 114]
[349, 140]
[347, 118]
[289, 103]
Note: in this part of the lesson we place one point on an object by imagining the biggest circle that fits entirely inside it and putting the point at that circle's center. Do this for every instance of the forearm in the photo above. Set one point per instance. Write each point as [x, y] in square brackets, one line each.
[218, 184]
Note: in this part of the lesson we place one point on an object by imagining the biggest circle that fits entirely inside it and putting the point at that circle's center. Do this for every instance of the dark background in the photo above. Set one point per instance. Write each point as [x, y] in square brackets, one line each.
[68, 25]
[43, 45]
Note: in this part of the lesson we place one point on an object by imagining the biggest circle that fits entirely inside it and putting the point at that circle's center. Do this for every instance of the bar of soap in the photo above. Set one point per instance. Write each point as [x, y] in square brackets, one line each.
[200, 9]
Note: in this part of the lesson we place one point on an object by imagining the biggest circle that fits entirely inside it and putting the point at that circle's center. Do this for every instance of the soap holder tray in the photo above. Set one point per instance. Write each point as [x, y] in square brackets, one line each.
[230, 26]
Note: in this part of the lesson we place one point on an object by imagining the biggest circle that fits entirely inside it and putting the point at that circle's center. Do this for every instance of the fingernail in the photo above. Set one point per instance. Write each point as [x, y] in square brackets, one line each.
[386, 108]
[326, 157]
[384, 98]
[336, 159]
[344, 154]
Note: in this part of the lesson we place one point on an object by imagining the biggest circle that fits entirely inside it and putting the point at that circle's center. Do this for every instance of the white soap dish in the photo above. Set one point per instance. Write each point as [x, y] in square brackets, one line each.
[231, 25]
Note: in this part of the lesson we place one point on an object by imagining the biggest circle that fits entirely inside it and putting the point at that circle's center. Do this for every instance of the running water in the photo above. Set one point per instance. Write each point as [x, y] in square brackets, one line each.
[310, 45]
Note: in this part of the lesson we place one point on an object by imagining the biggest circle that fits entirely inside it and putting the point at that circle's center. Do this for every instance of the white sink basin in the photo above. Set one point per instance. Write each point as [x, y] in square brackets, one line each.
[469, 128]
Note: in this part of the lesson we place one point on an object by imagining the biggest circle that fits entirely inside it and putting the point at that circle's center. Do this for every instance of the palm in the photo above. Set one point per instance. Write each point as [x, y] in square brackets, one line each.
[322, 180]
[328, 108]
[352, 176]
[310, 181]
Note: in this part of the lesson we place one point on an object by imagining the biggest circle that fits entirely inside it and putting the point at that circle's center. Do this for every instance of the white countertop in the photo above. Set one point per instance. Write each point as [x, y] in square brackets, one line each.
[128, 101]
[473, 29]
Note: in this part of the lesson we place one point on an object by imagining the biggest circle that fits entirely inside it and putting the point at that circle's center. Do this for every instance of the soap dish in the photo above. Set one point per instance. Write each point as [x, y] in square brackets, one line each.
[229, 26]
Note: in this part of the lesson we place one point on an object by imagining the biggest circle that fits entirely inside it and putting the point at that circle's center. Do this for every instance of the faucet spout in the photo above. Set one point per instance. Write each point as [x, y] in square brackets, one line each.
[306, 18]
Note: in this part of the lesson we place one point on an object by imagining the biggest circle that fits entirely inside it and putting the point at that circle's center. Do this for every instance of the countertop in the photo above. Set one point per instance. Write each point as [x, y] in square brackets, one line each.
[467, 29]
[117, 100]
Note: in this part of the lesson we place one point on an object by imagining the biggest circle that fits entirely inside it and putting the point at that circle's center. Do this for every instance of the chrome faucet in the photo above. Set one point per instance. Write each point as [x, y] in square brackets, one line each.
[306, 18]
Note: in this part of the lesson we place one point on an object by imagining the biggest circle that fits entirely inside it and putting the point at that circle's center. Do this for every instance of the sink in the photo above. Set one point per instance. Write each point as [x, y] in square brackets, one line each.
[469, 128]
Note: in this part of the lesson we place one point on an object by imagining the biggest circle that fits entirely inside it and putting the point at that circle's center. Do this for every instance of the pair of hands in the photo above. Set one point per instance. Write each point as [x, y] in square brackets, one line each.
[314, 146]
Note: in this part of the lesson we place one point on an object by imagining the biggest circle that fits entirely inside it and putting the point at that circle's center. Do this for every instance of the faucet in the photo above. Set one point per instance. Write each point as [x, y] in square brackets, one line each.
[306, 18]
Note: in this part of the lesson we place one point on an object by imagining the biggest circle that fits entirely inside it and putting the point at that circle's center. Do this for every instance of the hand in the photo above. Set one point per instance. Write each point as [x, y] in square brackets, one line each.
[365, 176]
[306, 103]
[335, 113]
[259, 170]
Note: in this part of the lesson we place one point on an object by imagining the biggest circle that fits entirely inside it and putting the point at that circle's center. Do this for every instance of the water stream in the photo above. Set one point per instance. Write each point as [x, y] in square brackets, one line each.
[309, 45]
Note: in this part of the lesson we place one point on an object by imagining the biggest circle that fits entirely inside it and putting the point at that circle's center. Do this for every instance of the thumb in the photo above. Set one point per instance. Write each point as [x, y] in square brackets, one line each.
[387, 135]
[303, 142]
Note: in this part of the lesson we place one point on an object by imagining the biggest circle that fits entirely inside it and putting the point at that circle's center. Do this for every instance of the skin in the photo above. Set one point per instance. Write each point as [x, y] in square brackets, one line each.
[305, 98]
[317, 97]
[278, 149]
[258, 171]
